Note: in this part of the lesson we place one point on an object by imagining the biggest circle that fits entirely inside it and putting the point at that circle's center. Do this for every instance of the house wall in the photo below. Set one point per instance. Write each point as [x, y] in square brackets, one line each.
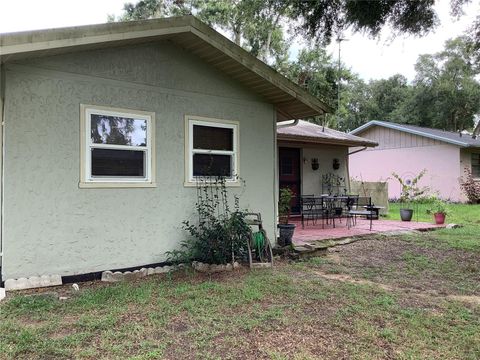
[312, 179]
[407, 155]
[54, 227]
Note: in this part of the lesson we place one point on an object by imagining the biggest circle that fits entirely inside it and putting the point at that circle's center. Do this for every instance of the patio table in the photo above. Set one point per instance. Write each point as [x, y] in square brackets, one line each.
[329, 207]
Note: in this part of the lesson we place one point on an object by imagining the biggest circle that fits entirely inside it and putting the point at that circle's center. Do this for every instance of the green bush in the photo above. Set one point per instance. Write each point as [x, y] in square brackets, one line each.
[438, 206]
[220, 236]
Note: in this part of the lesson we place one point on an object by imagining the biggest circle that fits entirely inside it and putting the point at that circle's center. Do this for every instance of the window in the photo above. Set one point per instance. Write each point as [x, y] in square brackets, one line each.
[286, 165]
[211, 149]
[116, 147]
[476, 165]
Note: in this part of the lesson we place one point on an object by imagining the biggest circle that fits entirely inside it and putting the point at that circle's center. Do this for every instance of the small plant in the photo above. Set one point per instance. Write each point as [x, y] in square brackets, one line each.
[284, 207]
[470, 187]
[221, 234]
[438, 206]
[411, 191]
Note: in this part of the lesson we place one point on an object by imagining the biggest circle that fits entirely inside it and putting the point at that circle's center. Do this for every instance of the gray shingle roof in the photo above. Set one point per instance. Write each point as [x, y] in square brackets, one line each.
[450, 137]
[306, 131]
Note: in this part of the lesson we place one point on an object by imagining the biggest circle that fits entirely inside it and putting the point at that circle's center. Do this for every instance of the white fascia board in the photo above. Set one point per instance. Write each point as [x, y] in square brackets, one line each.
[410, 131]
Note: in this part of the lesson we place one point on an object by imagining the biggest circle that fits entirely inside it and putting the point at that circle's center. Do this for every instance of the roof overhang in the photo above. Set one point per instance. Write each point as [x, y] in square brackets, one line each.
[321, 141]
[290, 100]
[372, 123]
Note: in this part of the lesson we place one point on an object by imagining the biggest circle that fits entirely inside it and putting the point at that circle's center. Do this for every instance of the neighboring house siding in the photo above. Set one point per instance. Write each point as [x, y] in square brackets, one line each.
[407, 155]
[394, 139]
[51, 226]
[466, 161]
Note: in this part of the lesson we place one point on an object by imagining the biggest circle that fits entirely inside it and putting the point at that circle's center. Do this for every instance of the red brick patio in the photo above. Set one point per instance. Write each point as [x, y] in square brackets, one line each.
[313, 233]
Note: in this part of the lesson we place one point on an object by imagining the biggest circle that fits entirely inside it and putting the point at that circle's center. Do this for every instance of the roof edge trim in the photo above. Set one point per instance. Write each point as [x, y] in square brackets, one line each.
[411, 131]
[312, 140]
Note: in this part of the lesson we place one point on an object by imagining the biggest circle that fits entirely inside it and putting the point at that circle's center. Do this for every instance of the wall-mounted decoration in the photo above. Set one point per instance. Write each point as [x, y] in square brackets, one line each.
[336, 164]
[315, 164]
[333, 184]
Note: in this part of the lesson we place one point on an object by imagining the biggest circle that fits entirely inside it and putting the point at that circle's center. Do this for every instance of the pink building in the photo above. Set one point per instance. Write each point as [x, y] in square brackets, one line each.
[407, 150]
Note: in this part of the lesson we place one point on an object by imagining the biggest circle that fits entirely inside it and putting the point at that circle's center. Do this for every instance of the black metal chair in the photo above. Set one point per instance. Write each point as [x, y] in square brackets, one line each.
[360, 206]
[307, 208]
[312, 208]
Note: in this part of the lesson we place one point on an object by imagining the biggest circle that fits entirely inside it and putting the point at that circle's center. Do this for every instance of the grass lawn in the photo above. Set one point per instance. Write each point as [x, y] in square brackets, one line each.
[459, 213]
[397, 297]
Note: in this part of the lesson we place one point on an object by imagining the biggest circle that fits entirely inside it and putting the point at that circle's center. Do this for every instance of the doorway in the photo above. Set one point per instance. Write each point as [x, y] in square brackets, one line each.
[289, 174]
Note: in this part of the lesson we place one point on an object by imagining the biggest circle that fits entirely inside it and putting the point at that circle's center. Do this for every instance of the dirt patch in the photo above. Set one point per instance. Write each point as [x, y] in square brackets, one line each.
[395, 262]
[472, 299]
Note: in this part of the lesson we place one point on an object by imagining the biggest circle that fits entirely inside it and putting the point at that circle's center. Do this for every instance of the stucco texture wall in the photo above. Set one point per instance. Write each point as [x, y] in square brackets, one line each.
[312, 179]
[51, 226]
[442, 163]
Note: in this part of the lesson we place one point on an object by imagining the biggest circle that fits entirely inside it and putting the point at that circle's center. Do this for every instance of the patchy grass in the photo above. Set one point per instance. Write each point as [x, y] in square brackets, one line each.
[404, 297]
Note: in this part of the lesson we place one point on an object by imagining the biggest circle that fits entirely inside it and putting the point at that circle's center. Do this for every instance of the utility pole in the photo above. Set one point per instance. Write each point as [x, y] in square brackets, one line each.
[339, 40]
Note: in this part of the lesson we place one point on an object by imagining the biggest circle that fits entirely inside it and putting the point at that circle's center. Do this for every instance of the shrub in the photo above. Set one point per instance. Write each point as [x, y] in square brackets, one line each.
[221, 234]
[284, 207]
[470, 187]
[411, 191]
[437, 206]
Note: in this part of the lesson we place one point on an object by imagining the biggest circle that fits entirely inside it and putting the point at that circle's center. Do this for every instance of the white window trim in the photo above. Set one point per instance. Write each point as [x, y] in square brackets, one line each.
[190, 121]
[86, 180]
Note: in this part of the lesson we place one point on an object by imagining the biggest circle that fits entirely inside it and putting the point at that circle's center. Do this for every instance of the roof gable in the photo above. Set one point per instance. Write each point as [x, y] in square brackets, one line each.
[449, 137]
[290, 100]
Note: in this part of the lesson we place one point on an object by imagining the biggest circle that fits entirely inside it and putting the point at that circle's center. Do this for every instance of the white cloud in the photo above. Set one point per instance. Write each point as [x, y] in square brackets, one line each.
[376, 59]
[21, 15]
[372, 59]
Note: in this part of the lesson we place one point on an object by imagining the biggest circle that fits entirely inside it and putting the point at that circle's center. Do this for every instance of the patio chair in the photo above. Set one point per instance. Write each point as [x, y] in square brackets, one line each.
[312, 208]
[338, 208]
[307, 208]
[360, 206]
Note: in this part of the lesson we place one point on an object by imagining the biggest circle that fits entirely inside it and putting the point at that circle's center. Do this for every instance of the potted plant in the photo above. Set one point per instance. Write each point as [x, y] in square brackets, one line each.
[410, 192]
[439, 210]
[284, 209]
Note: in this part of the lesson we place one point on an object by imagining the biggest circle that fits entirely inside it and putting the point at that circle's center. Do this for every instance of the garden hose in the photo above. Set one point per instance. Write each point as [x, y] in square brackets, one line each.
[258, 241]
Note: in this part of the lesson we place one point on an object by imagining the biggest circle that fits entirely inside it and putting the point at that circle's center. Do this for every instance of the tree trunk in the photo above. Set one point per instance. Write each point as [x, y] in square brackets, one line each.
[237, 35]
[266, 47]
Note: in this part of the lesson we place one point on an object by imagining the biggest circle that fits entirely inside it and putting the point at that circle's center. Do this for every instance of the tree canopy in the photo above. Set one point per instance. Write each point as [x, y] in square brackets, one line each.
[445, 93]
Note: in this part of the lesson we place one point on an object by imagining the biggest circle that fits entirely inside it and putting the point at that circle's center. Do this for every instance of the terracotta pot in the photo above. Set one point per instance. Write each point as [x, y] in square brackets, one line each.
[439, 218]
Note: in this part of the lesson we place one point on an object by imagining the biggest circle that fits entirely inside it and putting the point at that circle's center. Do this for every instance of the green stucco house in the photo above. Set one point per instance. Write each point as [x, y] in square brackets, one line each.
[106, 127]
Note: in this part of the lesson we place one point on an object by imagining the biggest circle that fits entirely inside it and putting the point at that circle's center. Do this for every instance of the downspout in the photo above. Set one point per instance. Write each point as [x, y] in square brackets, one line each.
[357, 151]
[283, 125]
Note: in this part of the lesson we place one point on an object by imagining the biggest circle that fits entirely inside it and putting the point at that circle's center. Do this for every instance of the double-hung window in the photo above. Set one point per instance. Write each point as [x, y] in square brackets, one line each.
[476, 165]
[211, 149]
[117, 147]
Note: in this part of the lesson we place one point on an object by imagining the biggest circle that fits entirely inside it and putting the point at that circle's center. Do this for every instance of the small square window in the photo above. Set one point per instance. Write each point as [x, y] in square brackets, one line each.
[476, 165]
[286, 165]
[212, 149]
[117, 152]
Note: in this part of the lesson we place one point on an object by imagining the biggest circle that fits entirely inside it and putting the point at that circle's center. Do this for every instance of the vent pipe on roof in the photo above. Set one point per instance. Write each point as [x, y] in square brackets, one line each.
[476, 131]
[288, 124]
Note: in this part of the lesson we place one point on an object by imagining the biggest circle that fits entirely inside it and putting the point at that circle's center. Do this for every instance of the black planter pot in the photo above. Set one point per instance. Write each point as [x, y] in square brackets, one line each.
[406, 214]
[286, 234]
